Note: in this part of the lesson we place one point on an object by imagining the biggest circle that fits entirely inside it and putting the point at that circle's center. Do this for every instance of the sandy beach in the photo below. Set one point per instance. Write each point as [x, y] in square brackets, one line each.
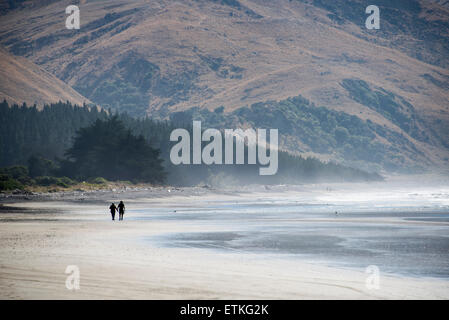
[135, 258]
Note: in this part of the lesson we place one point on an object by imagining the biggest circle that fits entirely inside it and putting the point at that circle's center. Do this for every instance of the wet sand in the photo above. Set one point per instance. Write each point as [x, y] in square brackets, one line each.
[198, 246]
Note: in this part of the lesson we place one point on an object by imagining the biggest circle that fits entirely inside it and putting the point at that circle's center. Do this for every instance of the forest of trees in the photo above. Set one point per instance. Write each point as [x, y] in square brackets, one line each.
[27, 131]
[80, 143]
[107, 149]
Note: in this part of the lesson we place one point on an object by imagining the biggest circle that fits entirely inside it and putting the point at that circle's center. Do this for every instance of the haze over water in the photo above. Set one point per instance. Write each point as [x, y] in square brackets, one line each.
[402, 230]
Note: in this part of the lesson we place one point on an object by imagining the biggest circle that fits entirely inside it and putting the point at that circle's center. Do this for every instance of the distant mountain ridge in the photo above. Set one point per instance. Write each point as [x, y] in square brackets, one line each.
[165, 57]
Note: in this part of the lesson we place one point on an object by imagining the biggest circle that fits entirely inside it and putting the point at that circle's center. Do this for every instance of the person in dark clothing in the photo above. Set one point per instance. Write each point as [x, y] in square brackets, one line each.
[113, 209]
[121, 210]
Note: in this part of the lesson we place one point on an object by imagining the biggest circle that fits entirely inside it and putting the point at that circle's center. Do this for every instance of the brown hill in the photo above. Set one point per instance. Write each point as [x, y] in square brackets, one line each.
[23, 81]
[161, 57]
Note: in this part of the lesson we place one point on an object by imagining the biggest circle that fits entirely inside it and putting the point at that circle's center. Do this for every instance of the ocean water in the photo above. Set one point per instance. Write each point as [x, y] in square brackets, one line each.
[406, 233]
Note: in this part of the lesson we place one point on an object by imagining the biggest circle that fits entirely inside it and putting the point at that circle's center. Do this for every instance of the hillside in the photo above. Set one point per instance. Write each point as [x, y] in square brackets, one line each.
[162, 57]
[23, 81]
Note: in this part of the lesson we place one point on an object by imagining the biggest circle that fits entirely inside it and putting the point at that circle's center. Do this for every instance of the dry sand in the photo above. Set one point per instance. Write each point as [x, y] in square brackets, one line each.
[116, 263]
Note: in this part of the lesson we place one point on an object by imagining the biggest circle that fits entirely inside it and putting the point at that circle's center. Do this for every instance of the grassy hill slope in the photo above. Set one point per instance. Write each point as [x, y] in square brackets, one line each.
[161, 57]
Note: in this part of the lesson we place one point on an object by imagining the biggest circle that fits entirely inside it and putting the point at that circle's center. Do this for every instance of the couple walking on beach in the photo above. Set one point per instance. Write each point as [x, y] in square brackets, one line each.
[120, 208]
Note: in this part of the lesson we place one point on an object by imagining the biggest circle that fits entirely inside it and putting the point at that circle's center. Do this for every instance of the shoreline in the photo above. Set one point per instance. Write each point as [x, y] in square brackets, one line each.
[45, 235]
[151, 191]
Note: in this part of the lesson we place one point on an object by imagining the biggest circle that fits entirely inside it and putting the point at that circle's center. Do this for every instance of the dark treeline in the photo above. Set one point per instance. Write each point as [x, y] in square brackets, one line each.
[27, 131]
[83, 143]
[109, 150]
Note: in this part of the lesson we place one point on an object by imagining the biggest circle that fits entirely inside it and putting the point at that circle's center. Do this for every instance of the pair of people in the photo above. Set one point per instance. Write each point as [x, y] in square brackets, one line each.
[120, 208]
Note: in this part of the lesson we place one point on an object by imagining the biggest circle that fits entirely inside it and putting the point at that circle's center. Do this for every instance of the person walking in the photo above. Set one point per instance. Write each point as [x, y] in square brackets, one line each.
[121, 210]
[113, 209]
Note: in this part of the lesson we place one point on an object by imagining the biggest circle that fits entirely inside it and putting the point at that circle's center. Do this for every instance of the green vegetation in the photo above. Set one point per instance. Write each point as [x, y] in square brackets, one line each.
[39, 166]
[319, 129]
[222, 69]
[8, 183]
[107, 149]
[54, 181]
[392, 107]
[19, 178]
[125, 86]
[128, 85]
[27, 131]
[119, 95]
[98, 180]
[64, 145]
[432, 47]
